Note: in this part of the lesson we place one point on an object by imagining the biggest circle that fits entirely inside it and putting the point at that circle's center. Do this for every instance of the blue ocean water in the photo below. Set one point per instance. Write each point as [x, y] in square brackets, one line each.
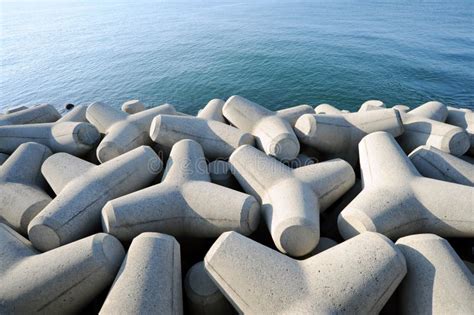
[277, 53]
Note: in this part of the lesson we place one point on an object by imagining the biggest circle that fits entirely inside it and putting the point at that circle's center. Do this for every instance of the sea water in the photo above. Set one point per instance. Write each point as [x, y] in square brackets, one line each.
[276, 53]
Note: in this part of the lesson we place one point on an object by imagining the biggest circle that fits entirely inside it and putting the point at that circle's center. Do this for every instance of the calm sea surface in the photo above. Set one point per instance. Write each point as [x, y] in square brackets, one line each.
[277, 53]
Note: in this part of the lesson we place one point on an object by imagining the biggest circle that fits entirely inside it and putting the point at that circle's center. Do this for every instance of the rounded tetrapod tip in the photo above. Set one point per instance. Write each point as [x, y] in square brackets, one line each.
[457, 142]
[110, 247]
[306, 126]
[250, 215]
[43, 237]
[108, 150]
[298, 236]
[86, 134]
[204, 297]
[284, 147]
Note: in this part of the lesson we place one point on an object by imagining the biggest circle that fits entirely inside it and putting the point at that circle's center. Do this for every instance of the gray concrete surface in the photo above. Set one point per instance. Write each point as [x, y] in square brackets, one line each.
[273, 134]
[355, 277]
[22, 187]
[397, 201]
[82, 190]
[60, 281]
[291, 199]
[149, 281]
[437, 281]
[123, 132]
[185, 203]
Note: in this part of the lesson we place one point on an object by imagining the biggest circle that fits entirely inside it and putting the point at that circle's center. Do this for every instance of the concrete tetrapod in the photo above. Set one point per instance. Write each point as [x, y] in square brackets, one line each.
[133, 106]
[402, 108]
[82, 190]
[434, 163]
[423, 125]
[371, 105]
[213, 111]
[431, 110]
[437, 281]
[291, 199]
[149, 281]
[22, 187]
[339, 135]
[397, 201]
[217, 139]
[76, 138]
[463, 118]
[61, 281]
[355, 277]
[123, 132]
[185, 203]
[203, 295]
[274, 135]
[15, 109]
[327, 109]
[291, 114]
[39, 114]
[77, 114]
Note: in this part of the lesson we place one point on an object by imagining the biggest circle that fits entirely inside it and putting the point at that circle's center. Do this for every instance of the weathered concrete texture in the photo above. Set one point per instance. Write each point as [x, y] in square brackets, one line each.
[133, 107]
[77, 114]
[434, 163]
[33, 115]
[327, 109]
[437, 281]
[339, 135]
[203, 295]
[213, 111]
[463, 118]
[22, 187]
[15, 109]
[61, 281]
[397, 201]
[76, 138]
[354, 277]
[83, 189]
[123, 132]
[274, 135]
[371, 105]
[291, 199]
[221, 173]
[420, 131]
[3, 158]
[186, 203]
[149, 281]
[431, 110]
[217, 139]
[402, 108]
[292, 114]
[460, 117]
